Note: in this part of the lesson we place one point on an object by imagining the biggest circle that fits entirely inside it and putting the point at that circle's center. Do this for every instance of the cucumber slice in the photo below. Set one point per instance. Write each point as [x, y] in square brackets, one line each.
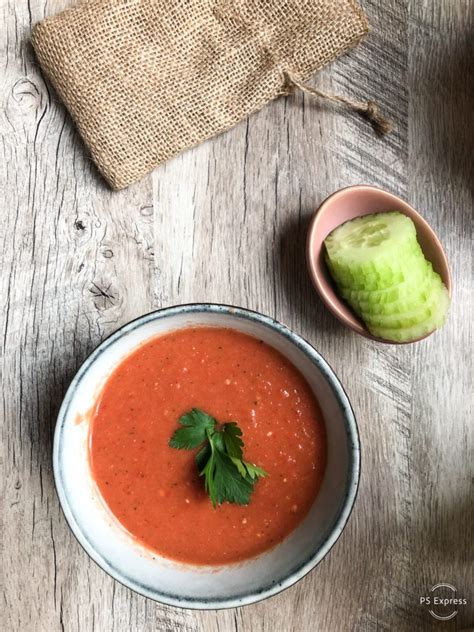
[402, 297]
[384, 276]
[422, 312]
[420, 274]
[381, 262]
[407, 334]
[364, 242]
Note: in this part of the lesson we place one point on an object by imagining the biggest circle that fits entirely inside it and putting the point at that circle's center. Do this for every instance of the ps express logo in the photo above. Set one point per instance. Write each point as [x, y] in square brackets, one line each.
[442, 601]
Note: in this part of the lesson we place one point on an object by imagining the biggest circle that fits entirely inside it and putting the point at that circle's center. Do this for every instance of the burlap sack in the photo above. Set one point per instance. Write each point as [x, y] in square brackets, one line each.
[146, 79]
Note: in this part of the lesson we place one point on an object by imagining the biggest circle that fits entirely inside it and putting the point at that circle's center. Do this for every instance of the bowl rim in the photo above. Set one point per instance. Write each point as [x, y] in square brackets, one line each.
[352, 483]
[315, 278]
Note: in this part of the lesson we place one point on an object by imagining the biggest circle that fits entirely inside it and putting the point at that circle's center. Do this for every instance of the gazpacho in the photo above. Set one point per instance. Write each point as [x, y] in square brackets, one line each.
[160, 494]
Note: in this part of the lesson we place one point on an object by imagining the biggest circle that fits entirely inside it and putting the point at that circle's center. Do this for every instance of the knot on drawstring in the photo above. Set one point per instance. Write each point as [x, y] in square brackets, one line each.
[369, 110]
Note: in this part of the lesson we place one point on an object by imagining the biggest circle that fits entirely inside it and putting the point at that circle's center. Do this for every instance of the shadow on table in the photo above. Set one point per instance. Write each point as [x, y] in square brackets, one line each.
[443, 101]
[300, 296]
[440, 551]
[53, 382]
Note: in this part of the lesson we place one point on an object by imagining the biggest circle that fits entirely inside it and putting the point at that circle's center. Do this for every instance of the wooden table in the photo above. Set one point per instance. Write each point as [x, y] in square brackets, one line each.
[226, 222]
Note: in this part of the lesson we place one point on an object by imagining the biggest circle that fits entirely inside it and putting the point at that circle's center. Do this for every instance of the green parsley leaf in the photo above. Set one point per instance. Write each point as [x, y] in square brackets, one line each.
[197, 426]
[227, 477]
[254, 471]
[229, 484]
[240, 466]
[218, 441]
[209, 473]
[231, 434]
[203, 456]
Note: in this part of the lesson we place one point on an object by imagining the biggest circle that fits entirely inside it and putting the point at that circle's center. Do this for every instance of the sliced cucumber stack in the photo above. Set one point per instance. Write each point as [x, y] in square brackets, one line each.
[397, 298]
[381, 271]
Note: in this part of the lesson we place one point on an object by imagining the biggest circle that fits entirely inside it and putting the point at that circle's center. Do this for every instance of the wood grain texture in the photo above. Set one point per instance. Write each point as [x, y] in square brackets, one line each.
[227, 222]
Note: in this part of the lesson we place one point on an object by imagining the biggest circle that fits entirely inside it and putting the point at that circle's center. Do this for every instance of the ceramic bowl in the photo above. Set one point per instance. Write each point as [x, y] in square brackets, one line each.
[347, 204]
[176, 583]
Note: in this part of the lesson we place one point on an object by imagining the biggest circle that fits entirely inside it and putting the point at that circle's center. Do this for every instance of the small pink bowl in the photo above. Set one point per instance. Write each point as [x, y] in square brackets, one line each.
[347, 204]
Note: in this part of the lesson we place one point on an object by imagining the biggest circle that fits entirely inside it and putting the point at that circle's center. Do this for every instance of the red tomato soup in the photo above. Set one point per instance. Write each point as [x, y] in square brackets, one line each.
[155, 491]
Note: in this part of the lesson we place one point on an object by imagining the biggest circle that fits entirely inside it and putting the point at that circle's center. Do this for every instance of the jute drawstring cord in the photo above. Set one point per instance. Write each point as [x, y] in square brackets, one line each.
[369, 110]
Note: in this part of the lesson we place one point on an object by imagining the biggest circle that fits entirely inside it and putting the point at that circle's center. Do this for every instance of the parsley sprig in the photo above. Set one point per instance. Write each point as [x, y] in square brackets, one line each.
[227, 477]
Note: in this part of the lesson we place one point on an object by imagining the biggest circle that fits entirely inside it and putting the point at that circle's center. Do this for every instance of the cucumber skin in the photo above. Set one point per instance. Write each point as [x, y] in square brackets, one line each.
[419, 330]
[397, 298]
[381, 262]
[391, 274]
[404, 320]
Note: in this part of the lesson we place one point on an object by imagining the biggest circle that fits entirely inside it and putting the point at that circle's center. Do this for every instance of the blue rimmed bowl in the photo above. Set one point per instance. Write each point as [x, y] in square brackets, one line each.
[175, 583]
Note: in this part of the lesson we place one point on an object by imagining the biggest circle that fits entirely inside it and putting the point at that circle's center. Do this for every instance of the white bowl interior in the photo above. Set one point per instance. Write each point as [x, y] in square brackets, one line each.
[173, 582]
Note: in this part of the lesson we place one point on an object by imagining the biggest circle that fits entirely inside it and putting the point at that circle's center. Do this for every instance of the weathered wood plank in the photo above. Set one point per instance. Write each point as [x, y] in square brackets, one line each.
[441, 179]
[78, 262]
[250, 196]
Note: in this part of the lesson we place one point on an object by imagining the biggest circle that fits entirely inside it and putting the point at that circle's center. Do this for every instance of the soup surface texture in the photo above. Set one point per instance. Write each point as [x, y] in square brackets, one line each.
[155, 491]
